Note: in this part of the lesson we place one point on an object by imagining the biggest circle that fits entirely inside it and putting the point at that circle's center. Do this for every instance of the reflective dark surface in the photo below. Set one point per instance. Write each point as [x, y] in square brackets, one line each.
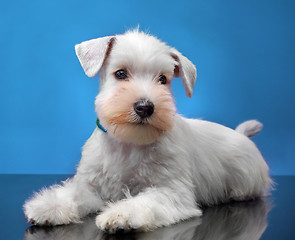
[272, 218]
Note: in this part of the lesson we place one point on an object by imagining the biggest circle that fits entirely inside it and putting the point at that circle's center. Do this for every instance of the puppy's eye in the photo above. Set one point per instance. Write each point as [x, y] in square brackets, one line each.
[162, 79]
[121, 74]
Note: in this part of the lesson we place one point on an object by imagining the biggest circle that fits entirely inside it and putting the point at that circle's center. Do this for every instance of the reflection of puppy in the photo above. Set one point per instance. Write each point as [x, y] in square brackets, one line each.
[230, 221]
[86, 231]
[146, 166]
[237, 220]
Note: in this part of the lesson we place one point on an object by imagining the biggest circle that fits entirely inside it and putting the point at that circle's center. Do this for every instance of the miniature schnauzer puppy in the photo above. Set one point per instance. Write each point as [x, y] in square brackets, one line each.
[145, 166]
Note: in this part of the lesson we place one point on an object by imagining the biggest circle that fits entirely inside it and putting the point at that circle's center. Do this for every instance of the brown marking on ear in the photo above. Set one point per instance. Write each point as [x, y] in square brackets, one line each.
[109, 49]
[176, 67]
[186, 70]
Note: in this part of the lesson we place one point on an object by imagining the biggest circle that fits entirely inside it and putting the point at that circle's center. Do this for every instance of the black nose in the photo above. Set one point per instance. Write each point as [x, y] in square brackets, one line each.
[144, 108]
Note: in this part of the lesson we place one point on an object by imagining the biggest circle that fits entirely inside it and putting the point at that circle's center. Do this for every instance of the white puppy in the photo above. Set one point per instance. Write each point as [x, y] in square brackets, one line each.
[145, 166]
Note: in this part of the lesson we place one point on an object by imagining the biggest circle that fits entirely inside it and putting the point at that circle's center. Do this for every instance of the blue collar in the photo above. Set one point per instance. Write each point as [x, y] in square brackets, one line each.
[100, 127]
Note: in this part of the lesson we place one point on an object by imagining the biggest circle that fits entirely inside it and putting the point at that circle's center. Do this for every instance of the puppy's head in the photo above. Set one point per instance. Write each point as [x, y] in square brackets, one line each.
[135, 103]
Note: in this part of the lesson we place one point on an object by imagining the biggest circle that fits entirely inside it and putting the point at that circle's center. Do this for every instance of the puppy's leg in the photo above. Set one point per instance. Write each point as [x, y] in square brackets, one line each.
[155, 207]
[62, 204]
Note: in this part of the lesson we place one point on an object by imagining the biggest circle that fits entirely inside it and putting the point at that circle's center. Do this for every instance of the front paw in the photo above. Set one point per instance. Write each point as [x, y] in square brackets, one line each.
[46, 208]
[122, 216]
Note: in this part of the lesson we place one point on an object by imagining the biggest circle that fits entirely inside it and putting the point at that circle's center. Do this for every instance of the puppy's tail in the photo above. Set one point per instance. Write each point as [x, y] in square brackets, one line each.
[249, 128]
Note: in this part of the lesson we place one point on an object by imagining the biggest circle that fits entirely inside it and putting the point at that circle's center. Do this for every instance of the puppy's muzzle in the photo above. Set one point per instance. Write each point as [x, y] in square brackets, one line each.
[144, 108]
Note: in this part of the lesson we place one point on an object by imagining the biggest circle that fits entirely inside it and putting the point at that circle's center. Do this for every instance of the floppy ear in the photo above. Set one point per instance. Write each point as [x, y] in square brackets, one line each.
[186, 70]
[92, 54]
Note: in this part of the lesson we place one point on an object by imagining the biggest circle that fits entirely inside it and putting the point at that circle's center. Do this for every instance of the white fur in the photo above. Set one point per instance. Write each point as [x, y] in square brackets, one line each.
[249, 128]
[146, 186]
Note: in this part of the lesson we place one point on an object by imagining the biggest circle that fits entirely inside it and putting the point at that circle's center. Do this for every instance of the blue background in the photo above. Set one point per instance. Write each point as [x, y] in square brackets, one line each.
[244, 52]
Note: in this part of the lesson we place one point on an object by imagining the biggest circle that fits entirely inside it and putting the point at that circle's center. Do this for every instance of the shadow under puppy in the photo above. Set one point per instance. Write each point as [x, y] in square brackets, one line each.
[145, 166]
